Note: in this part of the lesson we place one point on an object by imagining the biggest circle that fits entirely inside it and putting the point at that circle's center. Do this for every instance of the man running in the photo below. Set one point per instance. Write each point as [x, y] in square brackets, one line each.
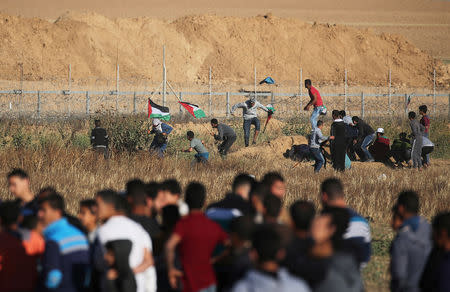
[316, 101]
[225, 134]
[249, 110]
[198, 145]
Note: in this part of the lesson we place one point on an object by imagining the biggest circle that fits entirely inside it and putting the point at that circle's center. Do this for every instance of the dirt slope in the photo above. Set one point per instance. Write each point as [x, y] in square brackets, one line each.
[278, 47]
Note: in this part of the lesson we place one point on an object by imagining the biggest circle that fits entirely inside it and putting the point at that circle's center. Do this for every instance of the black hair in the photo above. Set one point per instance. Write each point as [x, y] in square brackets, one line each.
[19, 173]
[123, 205]
[152, 189]
[134, 184]
[190, 135]
[90, 204]
[342, 113]
[138, 197]
[110, 197]
[333, 188]
[402, 135]
[409, 200]
[170, 217]
[271, 177]
[243, 227]
[336, 113]
[355, 119]
[171, 185]
[195, 195]
[302, 214]
[340, 218]
[214, 122]
[242, 179]
[9, 213]
[97, 123]
[412, 115]
[55, 201]
[267, 243]
[272, 205]
[423, 108]
[319, 123]
[259, 190]
[441, 222]
[308, 82]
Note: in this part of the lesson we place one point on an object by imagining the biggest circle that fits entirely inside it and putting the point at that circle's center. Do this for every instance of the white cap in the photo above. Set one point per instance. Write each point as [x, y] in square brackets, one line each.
[156, 122]
[380, 130]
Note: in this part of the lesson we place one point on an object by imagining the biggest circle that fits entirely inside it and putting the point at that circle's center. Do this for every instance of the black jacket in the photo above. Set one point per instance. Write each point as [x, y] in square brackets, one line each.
[99, 137]
[125, 281]
[364, 129]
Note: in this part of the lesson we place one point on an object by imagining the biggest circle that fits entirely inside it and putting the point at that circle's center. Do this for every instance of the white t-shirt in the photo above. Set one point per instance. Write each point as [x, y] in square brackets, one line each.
[121, 227]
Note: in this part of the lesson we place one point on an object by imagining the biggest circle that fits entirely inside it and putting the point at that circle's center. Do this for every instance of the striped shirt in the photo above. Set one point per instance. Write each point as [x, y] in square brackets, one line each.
[358, 232]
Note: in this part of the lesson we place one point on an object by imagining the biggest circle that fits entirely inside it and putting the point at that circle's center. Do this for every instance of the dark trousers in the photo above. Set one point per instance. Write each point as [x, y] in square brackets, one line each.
[225, 146]
[338, 151]
[247, 124]
[102, 150]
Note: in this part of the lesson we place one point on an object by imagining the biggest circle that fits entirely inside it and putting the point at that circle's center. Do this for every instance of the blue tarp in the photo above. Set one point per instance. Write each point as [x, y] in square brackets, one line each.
[268, 80]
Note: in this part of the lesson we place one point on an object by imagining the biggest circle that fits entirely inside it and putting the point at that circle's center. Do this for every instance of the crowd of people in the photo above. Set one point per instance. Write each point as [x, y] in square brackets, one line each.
[153, 236]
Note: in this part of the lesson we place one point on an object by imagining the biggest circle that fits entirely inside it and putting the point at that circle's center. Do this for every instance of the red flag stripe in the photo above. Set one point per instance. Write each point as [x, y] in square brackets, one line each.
[189, 108]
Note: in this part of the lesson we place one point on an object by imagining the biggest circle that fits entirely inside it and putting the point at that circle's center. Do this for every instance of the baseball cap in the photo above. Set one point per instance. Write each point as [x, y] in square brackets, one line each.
[380, 130]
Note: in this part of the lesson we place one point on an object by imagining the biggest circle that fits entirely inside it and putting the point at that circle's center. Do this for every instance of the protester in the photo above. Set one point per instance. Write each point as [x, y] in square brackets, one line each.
[161, 131]
[380, 149]
[425, 121]
[242, 185]
[171, 190]
[196, 236]
[316, 101]
[119, 276]
[411, 245]
[417, 131]
[257, 194]
[198, 145]
[275, 183]
[249, 112]
[225, 134]
[100, 139]
[345, 118]
[111, 210]
[427, 148]
[351, 133]
[317, 138]
[19, 187]
[437, 270]
[338, 142]
[267, 274]
[65, 263]
[88, 215]
[401, 149]
[18, 255]
[366, 135]
[358, 232]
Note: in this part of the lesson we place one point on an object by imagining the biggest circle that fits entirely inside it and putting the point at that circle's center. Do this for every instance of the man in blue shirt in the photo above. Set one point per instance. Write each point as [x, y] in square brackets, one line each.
[65, 263]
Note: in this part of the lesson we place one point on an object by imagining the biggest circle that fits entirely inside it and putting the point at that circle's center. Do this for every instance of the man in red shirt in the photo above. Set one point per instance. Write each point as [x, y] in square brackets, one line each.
[425, 121]
[196, 237]
[316, 101]
[380, 149]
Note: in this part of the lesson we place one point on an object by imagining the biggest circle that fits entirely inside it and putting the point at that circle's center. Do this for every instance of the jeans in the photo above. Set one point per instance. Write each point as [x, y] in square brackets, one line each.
[158, 149]
[200, 158]
[247, 124]
[365, 144]
[315, 116]
[225, 146]
[318, 157]
[211, 288]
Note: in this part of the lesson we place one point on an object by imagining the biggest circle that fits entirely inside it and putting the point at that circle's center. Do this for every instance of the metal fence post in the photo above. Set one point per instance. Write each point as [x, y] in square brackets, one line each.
[406, 104]
[449, 105]
[272, 98]
[228, 104]
[181, 99]
[434, 91]
[134, 103]
[39, 104]
[362, 105]
[88, 103]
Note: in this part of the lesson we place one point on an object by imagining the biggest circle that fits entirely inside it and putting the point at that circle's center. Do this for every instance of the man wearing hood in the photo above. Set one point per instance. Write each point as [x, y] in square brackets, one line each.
[411, 245]
[161, 131]
[249, 110]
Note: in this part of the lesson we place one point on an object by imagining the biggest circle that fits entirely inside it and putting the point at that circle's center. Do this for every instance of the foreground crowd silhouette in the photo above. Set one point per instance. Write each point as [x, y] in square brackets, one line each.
[150, 237]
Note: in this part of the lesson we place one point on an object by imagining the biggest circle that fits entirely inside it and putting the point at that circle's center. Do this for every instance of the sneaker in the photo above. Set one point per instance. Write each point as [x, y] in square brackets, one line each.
[370, 160]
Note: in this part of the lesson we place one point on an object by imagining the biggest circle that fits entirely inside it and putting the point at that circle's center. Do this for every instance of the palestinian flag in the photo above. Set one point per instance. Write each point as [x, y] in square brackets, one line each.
[193, 109]
[270, 107]
[158, 112]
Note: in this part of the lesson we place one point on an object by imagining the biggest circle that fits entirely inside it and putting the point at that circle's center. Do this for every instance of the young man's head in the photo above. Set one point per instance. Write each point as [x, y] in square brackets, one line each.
[242, 185]
[267, 247]
[320, 124]
[9, 214]
[152, 191]
[308, 83]
[423, 110]
[332, 192]
[137, 198]
[342, 113]
[402, 135]
[272, 208]
[214, 123]
[335, 114]
[97, 123]
[412, 116]
[407, 204]
[109, 203]
[380, 132]
[441, 231]
[195, 196]
[88, 214]
[51, 209]
[355, 120]
[171, 190]
[339, 219]
[19, 184]
[241, 229]
[275, 183]
[257, 194]
[190, 135]
[302, 214]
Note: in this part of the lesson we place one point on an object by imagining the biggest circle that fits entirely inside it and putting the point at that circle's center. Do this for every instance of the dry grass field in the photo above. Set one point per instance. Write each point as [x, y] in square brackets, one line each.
[58, 154]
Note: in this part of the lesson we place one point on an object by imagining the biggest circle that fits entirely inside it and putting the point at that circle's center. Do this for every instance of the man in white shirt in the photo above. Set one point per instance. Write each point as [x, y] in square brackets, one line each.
[116, 226]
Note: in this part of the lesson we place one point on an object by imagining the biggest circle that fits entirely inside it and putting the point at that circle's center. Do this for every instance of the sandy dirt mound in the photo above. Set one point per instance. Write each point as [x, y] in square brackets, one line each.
[274, 148]
[278, 47]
